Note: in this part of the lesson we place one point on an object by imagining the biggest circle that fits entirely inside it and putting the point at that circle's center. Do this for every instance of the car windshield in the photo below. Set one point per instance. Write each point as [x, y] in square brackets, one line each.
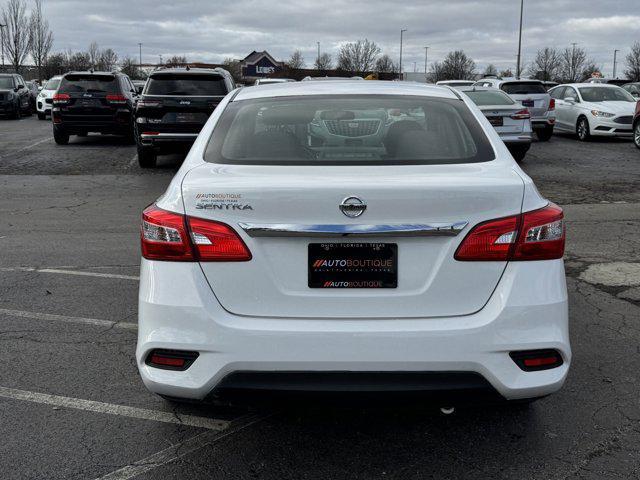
[88, 84]
[348, 129]
[52, 84]
[605, 94]
[186, 84]
[488, 97]
[457, 84]
[6, 83]
[523, 88]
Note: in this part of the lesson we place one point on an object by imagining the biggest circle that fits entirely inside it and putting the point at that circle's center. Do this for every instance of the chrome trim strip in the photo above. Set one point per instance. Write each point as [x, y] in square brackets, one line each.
[170, 135]
[331, 230]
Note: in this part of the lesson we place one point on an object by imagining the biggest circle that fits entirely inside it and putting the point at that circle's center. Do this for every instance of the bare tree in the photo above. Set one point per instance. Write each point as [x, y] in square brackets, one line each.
[435, 72]
[385, 64]
[296, 60]
[490, 71]
[16, 43]
[546, 65]
[323, 62]
[589, 70]
[358, 56]
[108, 60]
[572, 64]
[130, 67]
[176, 61]
[633, 63]
[41, 36]
[54, 65]
[78, 61]
[94, 54]
[506, 73]
[457, 66]
[234, 68]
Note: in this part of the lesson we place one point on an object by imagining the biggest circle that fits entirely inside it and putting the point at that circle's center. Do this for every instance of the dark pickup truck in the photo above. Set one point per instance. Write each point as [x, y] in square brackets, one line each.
[174, 106]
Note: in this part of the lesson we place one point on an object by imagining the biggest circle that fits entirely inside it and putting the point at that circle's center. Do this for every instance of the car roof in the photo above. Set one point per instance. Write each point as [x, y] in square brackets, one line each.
[587, 84]
[192, 71]
[89, 72]
[354, 87]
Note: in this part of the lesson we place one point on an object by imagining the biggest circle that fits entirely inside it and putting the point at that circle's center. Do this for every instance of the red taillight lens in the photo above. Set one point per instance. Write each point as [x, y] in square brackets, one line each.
[171, 359]
[492, 240]
[164, 236]
[174, 237]
[217, 242]
[521, 115]
[536, 235]
[116, 99]
[61, 98]
[552, 104]
[542, 235]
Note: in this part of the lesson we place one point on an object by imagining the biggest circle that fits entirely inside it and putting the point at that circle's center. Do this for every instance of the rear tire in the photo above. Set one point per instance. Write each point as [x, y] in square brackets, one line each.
[582, 130]
[146, 157]
[518, 153]
[60, 136]
[42, 116]
[636, 134]
[545, 134]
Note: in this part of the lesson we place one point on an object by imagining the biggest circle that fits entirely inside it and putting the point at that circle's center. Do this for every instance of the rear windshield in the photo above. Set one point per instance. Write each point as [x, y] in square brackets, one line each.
[523, 88]
[457, 84]
[488, 97]
[6, 83]
[605, 94]
[348, 129]
[88, 84]
[176, 84]
[52, 84]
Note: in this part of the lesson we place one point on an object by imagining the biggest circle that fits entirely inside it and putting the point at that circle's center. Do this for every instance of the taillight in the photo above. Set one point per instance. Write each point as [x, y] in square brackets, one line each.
[217, 242]
[174, 237]
[552, 104]
[171, 359]
[536, 235]
[116, 99]
[164, 236]
[521, 115]
[61, 98]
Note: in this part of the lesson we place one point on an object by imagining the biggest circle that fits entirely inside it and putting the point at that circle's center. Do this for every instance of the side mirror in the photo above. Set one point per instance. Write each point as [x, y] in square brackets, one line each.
[570, 100]
[20, 86]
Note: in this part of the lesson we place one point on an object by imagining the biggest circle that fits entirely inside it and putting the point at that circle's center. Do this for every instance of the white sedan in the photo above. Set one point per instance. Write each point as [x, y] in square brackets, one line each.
[290, 254]
[593, 109]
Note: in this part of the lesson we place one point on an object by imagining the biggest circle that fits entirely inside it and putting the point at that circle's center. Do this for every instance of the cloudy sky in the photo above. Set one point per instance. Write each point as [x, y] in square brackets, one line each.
[211, 30]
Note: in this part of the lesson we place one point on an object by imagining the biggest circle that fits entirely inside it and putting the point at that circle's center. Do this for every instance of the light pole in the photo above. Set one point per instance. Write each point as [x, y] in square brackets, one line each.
[140, 46]
[615, 60]
[2, 27]
[160, 59]
[520, 41]
[318, 60]
[400, 66]
[426, 51]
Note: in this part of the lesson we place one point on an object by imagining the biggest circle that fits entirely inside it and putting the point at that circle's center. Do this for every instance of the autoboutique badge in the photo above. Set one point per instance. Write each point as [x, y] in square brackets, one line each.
[221, 201]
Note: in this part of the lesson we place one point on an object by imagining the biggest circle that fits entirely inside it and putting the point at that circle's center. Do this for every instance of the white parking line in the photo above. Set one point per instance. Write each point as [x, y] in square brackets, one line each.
[27, 147]
[69, 272]
[178, 450]
[63, 318]
[112, 409]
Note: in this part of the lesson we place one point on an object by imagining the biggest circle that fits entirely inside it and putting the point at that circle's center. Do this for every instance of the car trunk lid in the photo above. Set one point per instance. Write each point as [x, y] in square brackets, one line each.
[276, 281]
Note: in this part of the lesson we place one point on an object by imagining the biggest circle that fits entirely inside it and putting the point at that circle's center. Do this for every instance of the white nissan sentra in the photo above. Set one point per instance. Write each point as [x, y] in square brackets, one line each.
[352, 236]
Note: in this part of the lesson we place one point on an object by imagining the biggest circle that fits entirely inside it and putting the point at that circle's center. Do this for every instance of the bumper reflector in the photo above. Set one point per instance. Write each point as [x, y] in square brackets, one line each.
[171, 359]
[534, 360]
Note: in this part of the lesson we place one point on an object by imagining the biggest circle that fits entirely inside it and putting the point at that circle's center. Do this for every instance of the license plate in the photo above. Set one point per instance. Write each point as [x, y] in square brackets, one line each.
[353, 265]
[528, 103]
[189, 118]
[496, 121]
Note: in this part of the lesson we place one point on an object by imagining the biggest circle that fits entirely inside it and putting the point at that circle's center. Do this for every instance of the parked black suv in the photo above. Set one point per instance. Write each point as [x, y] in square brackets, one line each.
[174, 106]
[93, 102]
[14, 95]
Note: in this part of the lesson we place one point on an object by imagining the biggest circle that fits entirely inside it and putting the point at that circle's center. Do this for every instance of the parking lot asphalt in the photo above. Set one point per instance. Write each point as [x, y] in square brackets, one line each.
[72, 405]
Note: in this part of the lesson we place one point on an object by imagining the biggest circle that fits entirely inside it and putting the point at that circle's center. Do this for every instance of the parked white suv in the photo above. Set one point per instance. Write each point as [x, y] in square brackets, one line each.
[533, 95]
[44, 101]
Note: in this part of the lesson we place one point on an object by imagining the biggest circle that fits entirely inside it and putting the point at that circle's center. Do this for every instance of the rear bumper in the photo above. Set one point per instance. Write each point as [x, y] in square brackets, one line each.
[520, 139]
[548, 120]
[119, 123]
[527, 311]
